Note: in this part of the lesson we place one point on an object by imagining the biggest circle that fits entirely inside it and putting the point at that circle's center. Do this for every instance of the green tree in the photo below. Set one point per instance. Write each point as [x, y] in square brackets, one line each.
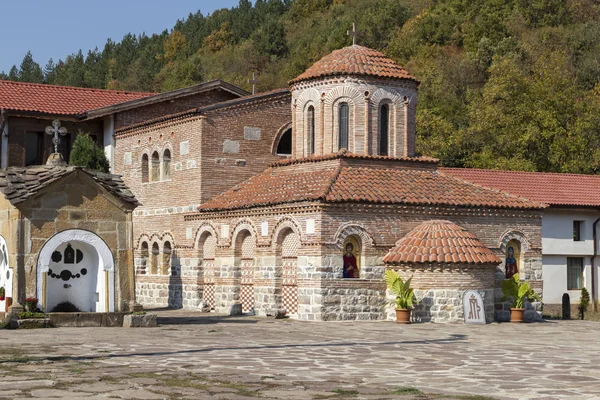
[86, 153]
[30, 71]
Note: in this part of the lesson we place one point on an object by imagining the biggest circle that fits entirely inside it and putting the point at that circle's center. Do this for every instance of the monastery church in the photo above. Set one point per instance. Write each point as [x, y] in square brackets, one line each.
[296, 198]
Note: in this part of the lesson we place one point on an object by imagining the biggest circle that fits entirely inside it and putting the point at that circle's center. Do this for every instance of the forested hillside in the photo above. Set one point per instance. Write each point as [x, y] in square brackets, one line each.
[511, 84]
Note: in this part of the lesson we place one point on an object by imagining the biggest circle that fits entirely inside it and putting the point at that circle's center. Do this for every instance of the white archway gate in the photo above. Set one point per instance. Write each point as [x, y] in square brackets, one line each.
[76, 266]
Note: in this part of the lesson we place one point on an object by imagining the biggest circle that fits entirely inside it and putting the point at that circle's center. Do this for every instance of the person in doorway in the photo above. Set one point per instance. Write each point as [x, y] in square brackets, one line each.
[510, 263]
[350, 266]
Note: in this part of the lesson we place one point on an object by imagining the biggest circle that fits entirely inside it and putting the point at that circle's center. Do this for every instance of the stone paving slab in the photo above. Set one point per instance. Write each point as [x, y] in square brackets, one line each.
[206, 356]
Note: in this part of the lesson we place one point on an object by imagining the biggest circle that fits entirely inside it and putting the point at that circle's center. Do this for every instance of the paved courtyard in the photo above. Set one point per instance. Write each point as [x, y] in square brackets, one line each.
[195, 356]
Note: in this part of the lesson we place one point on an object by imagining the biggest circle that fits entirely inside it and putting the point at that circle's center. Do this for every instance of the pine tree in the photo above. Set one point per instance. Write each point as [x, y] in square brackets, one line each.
[86, 153]
[30, 70]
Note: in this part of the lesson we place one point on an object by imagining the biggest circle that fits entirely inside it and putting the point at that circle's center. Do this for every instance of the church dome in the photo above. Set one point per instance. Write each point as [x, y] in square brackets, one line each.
[440, 241]
[355, 60]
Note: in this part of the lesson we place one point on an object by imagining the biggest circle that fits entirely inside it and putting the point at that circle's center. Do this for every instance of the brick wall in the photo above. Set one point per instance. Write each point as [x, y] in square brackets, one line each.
[145, 113]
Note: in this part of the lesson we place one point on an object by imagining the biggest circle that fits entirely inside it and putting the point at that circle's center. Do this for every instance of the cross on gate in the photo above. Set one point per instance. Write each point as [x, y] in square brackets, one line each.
[56, 130]
[354, 33]
[254, 82]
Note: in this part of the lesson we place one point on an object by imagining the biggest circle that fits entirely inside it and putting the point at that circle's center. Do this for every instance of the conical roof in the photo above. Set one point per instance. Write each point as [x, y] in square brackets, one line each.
[440, 241]
[354, 60]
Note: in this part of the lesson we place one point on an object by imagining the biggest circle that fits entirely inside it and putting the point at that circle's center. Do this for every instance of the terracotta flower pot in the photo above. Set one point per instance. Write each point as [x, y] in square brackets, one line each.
[403, 315]
[516, 315]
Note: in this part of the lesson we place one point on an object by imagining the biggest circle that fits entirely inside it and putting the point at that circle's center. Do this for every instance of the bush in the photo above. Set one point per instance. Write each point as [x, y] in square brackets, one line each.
[584, 302]
[65, 306]
[86, 153]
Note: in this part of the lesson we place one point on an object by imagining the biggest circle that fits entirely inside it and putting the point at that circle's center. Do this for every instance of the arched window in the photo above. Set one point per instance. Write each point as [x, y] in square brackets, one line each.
[145, 168]
[155, 168]
[344, 112]
[144, 254]
[154, 259]
[310, 126]
[166, 165]
[284, 147]
[166, 260]
[384, 127]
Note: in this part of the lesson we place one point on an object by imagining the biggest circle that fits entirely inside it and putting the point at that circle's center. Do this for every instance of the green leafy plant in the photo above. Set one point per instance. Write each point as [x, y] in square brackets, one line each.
[584, 302]
[86, 153]
[29, 315]
[2, 293]
[518, 291]
[405, 296]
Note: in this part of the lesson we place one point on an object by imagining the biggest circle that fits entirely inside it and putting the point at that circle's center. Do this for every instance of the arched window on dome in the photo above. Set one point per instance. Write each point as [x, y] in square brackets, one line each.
[344, 121]
[284, 147]
[384, 129]
[310, 125]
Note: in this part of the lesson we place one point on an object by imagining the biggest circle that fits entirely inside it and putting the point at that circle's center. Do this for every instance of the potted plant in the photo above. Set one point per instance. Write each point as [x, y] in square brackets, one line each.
[405, 297]
[2, 293]
[518, 292]
[31, 304]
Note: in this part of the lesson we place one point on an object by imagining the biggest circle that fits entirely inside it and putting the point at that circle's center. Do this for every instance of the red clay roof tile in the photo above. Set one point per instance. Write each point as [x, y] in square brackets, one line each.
[354, 60]
[543, 187]
[346, 178]
[422, 246]
[59, 100]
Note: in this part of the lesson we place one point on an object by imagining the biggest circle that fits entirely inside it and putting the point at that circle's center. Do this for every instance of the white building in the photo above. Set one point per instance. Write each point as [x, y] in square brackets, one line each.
[570, 226]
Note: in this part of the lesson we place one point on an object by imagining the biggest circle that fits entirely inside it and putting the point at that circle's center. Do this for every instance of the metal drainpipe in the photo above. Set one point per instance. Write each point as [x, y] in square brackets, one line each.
[594, 302]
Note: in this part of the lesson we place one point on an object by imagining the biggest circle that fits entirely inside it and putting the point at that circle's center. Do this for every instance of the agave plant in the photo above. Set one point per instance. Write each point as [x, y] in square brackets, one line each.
[518, 291]
[405, 296]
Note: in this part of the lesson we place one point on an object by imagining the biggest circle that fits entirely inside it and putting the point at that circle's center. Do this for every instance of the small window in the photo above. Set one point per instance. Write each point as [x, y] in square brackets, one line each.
[574, 273]
[155, 168]
[145, 166]
[284, 147]
[577, 230]
[154, 259]
[34, 148]
[384, 123]
[310, 125]
[344, 111]
[166, 167]
[166, 261]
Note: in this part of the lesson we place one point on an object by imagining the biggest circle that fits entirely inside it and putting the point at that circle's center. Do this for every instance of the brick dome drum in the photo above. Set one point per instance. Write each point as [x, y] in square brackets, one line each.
[440, 241]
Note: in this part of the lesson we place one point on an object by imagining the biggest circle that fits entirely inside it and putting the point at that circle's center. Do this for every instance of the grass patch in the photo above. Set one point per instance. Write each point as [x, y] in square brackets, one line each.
[406, 390]
[183, 383]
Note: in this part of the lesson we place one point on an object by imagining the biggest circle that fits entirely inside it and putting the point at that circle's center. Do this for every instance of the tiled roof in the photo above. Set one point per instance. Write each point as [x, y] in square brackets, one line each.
[345, 178]
[59, 100]
[544, 187]
[440, 241]
[354, 60]
[19, 184]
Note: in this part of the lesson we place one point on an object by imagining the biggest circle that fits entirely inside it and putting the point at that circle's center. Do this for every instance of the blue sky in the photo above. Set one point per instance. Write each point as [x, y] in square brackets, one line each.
[57, 28]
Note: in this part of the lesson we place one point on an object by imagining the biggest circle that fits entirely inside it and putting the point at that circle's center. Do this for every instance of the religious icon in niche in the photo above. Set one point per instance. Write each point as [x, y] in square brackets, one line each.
[69, 255]
[351, 258]
[511, 263]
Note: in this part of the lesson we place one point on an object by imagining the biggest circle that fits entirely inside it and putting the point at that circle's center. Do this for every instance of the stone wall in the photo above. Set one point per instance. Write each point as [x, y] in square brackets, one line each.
[79, 204]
